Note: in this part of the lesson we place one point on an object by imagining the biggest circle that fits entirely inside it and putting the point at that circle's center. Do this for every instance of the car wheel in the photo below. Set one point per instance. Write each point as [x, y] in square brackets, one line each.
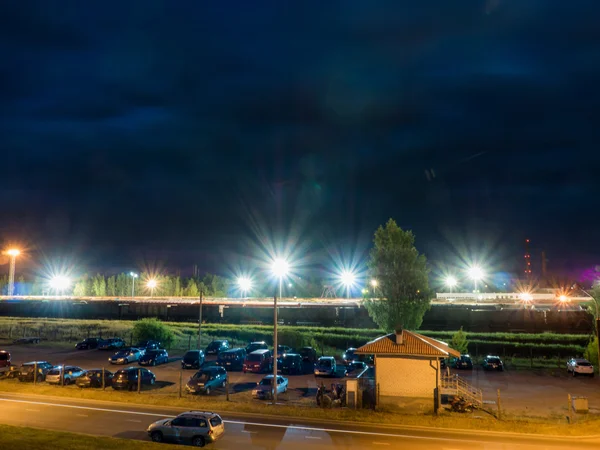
[152, 381]
[67, 381]
[40, 378]
[207, 391]
[198, 441]
[224, 383]
[156, 436]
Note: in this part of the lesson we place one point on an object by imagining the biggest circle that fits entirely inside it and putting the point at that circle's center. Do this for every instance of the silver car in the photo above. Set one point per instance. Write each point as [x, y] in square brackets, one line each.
[125, 356]
[264, 388]
[197, 428]
[71, 374]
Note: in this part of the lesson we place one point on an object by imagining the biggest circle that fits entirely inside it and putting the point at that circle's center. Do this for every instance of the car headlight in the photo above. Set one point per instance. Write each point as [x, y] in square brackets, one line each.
[255, 392]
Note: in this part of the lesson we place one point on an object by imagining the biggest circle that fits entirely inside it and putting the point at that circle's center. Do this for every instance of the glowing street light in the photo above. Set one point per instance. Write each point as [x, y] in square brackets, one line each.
[151, 284]
[374, 283]
[563, 298]
[476, 274]
[13, 253]
[348, 279]
[451, 282]
[133, 277]
[60, 283]
[280, 269]
[245, 284]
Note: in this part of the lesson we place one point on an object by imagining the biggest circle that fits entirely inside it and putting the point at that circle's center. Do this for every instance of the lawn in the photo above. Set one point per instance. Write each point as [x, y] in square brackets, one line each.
[34, 439]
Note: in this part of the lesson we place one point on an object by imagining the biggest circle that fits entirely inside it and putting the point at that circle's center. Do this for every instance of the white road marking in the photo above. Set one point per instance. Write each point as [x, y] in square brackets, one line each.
[132, 420]
[33, 410]
[312, 437]
[266, 425]
[249, 432]
[81, 415]
[380, 443]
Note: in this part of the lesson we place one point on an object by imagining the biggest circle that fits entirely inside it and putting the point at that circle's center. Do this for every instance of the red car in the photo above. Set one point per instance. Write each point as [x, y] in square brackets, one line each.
[258, 361]
[4, 361]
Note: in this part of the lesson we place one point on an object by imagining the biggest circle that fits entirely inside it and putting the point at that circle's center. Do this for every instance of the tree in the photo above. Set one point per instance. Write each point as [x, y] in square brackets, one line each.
[177, 287]
[591, 351]
[216, 286]
[153, 329]
[111, 286]
[191, 289]
[459, 341]
[402, 274]
[99, 286]
[81, 288]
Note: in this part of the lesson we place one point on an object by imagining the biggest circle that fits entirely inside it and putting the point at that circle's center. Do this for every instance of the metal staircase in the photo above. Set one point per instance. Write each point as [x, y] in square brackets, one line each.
[455, 385]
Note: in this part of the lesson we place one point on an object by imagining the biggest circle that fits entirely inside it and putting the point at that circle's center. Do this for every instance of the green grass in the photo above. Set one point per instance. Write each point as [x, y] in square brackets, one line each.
[242, 404]
[12, 437]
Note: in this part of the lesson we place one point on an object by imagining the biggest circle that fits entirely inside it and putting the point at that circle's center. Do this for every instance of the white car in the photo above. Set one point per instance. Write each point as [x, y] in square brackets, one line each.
[264, 387]
[125, 356]
[71, 374]
[580, 366]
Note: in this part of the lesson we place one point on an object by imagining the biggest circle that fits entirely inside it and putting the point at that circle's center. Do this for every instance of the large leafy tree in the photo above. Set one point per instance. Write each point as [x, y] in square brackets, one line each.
[402, 275]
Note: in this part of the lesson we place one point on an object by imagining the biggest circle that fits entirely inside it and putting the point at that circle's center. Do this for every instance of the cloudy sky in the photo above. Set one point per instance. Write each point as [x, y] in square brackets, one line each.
[191, 131]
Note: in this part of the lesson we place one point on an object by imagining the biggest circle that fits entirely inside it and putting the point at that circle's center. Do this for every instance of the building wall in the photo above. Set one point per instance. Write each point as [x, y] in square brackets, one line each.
[404, 377]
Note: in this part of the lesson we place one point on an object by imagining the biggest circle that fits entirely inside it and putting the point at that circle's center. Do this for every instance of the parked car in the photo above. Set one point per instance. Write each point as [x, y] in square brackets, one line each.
[88, 343]
[128, 378]
[93, 379]
[291, 363]
[193, 359]
[4, 361]
[580, 366]
[349, 355]
[232, 359]
[464, 362]
[493, 363]
[192, 427]
[125, 356]
[154, 357]
[308, 354]
[26, 371]
[443, 363]
[283, 349]
[12, 372]
[216, 347]
[253, 346]
[148, 345]
[264, 387]
[258, 361]
[71, 374]
[206, 380]
[111, 344]
[355, 367]
[325, 366]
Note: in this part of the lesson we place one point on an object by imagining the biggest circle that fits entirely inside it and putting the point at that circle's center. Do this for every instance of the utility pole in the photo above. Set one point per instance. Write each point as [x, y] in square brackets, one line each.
[200, 318]
[275, 348]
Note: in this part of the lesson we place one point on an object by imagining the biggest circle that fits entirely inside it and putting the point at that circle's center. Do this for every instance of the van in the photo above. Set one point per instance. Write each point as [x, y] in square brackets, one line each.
[258, 361]
[325, 366]
[232, 359]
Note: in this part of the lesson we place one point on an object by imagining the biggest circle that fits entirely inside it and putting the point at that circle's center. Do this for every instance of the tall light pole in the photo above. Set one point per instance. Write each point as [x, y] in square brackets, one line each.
[476, 274]
[60, 283]
[200, 317]
[348, 279]
[280, 268]
[450, 282]
[151, 284]
[13, 253]
[133, 277]
[245, 284]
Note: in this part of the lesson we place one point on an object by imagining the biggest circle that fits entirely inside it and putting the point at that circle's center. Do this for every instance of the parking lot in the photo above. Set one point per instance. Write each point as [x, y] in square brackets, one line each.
[531, 393]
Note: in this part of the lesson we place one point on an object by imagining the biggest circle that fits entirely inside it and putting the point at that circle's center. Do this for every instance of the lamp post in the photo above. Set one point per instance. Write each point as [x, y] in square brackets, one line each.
[476, 274]
[451, 282]
[133, 277]
[280, 268]
[13, 253]
[60, 283]
[245, 284]
[348, 279]
[151, 284]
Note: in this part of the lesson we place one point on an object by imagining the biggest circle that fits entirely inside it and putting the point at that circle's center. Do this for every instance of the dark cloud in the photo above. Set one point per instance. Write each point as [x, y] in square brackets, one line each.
[170, 126]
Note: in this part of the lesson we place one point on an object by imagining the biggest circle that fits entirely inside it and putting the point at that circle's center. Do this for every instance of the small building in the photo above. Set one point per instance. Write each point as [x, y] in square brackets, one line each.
[407, 367]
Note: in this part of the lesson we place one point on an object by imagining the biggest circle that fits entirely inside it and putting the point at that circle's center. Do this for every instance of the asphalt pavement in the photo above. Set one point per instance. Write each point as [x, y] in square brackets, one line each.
[258, 432]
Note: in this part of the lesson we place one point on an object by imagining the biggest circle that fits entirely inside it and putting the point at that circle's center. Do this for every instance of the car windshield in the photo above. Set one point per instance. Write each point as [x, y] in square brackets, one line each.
[583, 363]
[357, 365]
[494, 360]
[152, 353]
[252, 357]
[325, 363]
[54, 372]
[3, 356]
[216, 421]
[266, 382]
[214, 344]
[201, 376]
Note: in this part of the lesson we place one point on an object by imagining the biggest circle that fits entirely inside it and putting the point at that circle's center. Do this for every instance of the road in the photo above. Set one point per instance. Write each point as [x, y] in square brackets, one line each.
[127, 421]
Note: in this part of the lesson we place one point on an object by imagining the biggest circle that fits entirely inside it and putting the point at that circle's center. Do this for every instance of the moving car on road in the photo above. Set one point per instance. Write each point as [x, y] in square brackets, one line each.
[291, 363]
[4, 361]
[26, 371]
[207, 380]
[325, 367]
[93, 379]
[193, 359]
[493, 363]
[232, 359]
[580, 366]
[216, 347]
[154, 357]
[193, 427]
[88, 343]
[71, 374]
[258, 361]
[111, 344]
[264, 388]
[128, 378]
[125, 356]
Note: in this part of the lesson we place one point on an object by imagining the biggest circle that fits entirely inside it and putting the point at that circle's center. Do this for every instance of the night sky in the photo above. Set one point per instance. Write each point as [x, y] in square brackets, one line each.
[184, 132]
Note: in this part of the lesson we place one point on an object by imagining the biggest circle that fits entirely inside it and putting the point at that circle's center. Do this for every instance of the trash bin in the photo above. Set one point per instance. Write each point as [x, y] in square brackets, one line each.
[580, 404]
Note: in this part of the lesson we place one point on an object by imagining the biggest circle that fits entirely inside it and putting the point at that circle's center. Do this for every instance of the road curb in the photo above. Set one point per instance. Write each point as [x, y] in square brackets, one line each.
[460, 431]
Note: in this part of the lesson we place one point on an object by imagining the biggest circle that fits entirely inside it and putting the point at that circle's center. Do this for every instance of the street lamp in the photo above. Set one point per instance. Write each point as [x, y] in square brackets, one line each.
[476, 274]
[348, 279]
[374, 283]
[451, 282]
[13, 253]
[60, 283]
[280, 269]
[245, 284]
[133, 277]
[151, 284]
[563, 298]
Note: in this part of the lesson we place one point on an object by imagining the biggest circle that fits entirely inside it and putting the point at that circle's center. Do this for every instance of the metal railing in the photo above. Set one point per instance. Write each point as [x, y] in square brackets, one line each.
[458, 386]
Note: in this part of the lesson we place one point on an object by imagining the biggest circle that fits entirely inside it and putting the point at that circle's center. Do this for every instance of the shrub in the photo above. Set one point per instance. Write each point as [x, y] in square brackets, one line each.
[153, 329]
[459, 341]
[591, 351]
